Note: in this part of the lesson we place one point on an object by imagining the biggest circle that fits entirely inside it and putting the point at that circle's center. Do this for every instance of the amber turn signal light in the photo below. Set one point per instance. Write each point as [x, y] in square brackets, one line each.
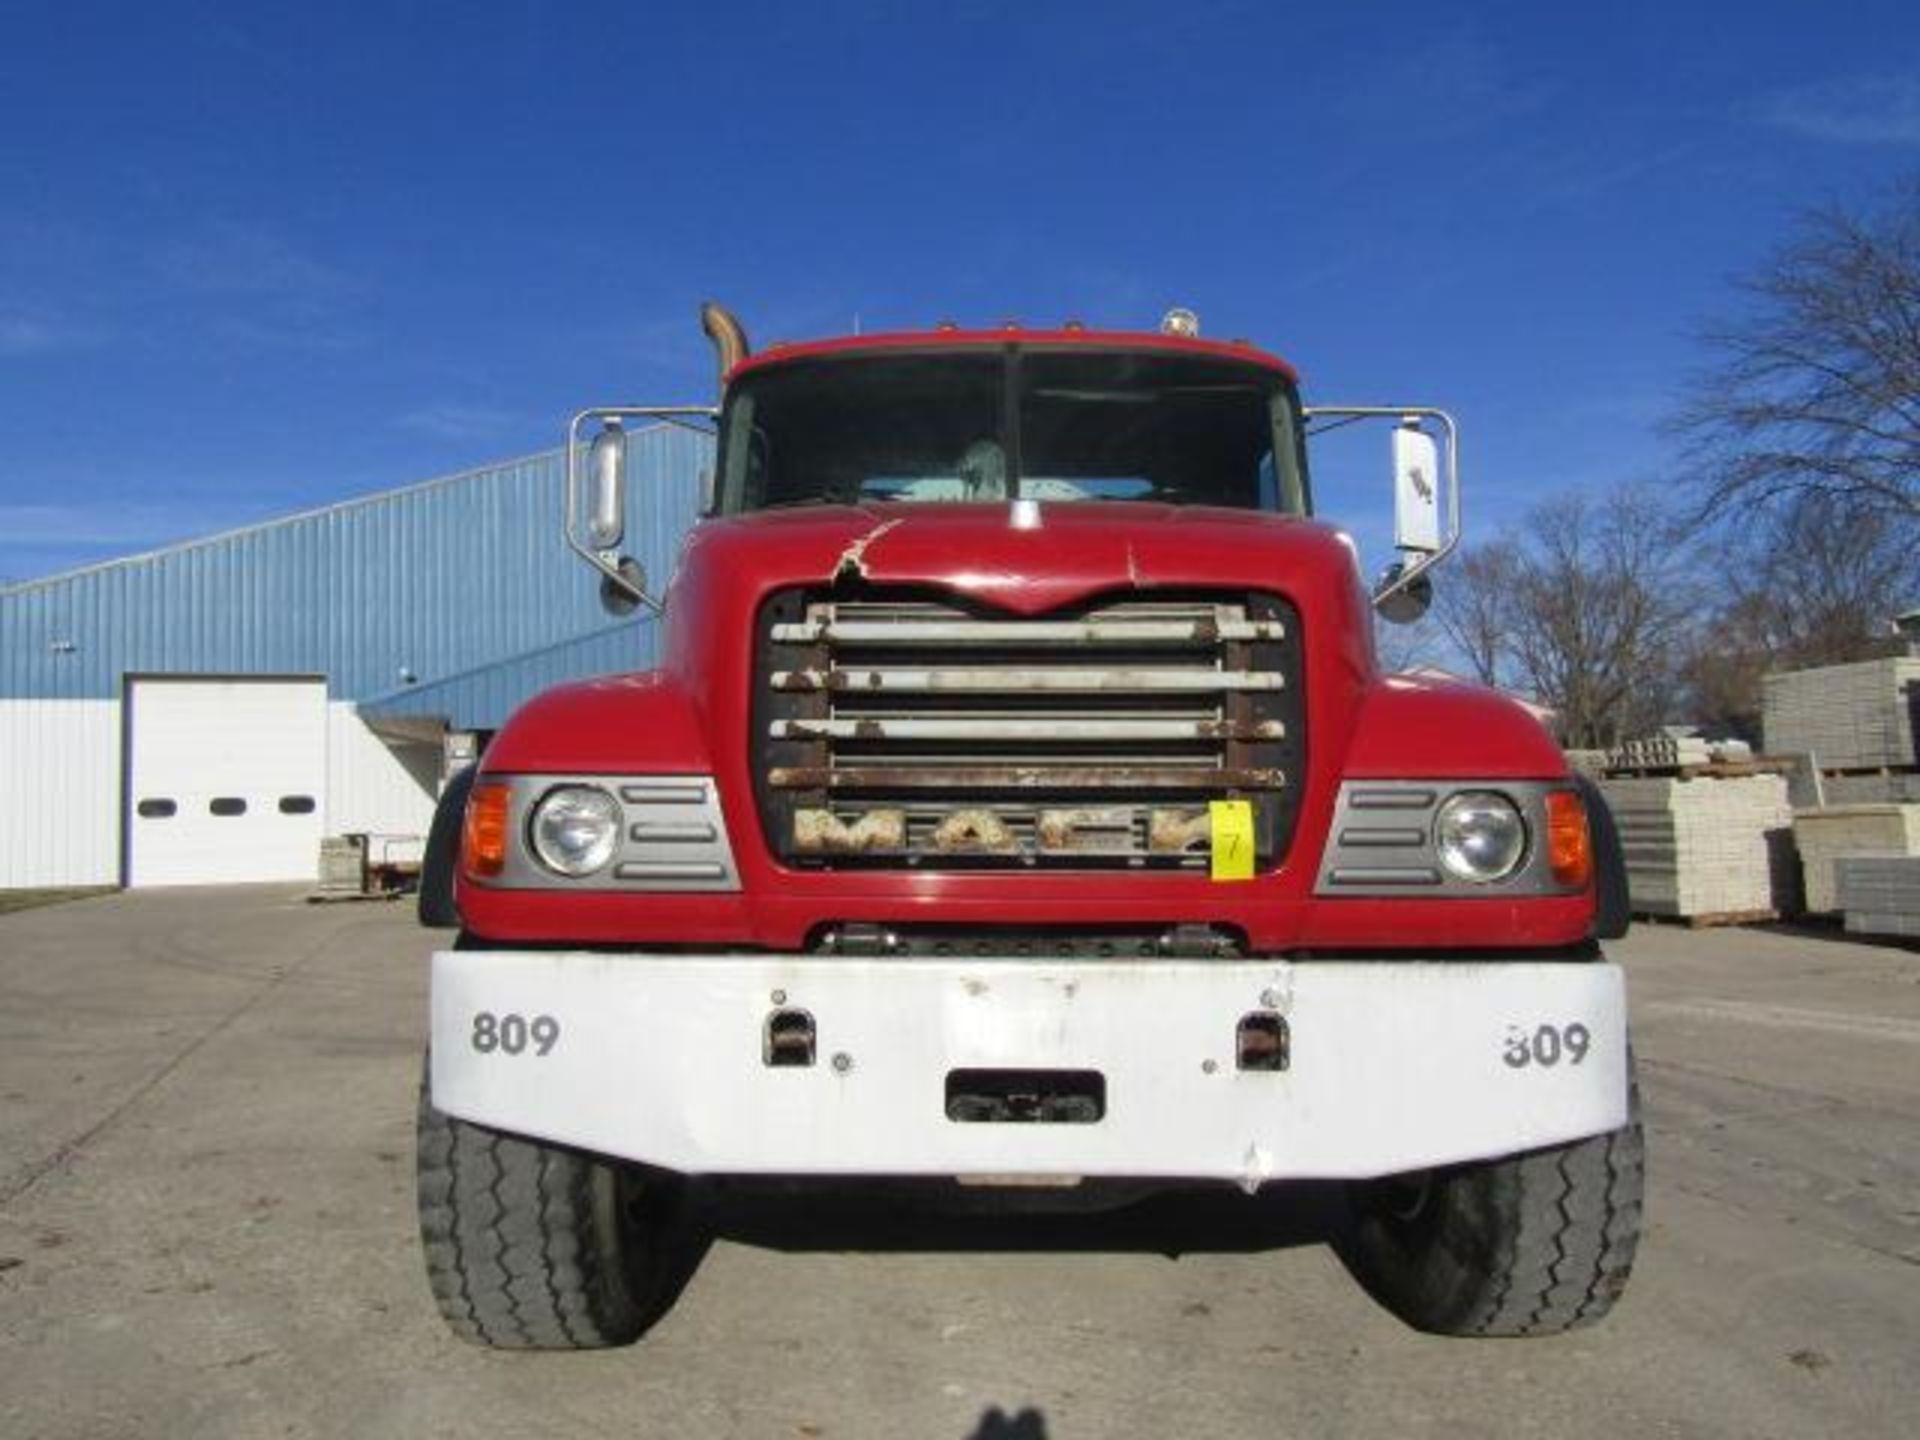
[1569, 846]
[483, 842]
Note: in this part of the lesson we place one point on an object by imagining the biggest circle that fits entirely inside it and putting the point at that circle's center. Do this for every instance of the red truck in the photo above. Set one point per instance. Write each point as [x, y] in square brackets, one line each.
[1018, 804]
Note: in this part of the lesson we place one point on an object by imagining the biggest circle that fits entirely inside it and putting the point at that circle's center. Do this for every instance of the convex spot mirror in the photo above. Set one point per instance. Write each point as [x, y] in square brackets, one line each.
[1402, 604]
[607, 487]
[622, 597]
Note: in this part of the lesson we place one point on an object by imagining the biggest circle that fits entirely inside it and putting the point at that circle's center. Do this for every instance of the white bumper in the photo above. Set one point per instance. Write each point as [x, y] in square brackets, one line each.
[1394, 1065]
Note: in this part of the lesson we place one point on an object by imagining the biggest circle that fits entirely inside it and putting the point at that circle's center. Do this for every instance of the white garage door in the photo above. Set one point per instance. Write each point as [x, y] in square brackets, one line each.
[227, 780]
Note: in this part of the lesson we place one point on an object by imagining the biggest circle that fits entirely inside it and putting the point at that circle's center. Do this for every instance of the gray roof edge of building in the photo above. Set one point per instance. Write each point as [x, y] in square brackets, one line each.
[354, 502]
[402, 692]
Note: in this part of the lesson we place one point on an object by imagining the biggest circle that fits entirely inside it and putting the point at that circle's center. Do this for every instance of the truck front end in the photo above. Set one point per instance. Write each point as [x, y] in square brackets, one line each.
[1018, 802]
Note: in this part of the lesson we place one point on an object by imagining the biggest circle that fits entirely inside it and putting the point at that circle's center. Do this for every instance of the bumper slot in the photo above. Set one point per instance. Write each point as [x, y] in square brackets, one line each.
[1026, 1097]
[1263, 1041]
[789, 1040]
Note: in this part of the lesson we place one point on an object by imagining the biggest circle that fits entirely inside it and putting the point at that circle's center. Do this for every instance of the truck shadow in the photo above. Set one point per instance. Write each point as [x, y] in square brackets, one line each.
[996, 1424]
[939, 1217]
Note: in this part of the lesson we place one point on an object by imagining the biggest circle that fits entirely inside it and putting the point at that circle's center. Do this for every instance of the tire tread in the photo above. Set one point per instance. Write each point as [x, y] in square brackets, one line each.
[1534, 1244]
[523, 1241]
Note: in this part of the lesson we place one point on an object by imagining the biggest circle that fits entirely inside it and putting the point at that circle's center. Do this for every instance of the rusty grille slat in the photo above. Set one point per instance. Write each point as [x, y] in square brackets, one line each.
[1065, 680]
[1026, 777]
[1220, 625]
[1024, 727]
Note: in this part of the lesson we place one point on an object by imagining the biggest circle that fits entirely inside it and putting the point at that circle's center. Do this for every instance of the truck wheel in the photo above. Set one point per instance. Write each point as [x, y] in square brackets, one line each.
[1533, 1244]
[535, 1247]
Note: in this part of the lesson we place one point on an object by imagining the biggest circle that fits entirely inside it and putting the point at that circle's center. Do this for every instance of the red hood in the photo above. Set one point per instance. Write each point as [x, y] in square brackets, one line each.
[694, 716]
[1076, 551]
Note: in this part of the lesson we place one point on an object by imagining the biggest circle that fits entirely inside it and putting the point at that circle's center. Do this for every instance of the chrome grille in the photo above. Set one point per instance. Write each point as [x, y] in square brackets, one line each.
[911, 731]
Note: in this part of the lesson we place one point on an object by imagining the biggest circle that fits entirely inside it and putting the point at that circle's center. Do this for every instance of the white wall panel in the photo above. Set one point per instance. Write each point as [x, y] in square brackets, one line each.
[375, 786]
[59, 793]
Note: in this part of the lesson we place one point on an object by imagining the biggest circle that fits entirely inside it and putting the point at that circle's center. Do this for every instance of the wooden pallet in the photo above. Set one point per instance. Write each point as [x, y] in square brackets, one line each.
[1712, 921]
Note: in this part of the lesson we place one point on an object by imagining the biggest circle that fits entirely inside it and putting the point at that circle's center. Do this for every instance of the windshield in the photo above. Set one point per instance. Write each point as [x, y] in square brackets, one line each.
[995, 425]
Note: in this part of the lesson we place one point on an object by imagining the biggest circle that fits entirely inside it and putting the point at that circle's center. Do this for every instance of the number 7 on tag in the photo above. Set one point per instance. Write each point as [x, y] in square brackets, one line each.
[1230, 823]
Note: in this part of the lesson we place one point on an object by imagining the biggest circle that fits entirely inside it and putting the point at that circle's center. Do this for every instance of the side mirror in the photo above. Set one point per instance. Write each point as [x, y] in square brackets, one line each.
[706, 491]
[1402, 604]
[1416, 489]
[607, 487]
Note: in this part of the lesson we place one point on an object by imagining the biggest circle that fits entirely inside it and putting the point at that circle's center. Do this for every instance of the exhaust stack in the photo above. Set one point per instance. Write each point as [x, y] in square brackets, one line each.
[729, 340]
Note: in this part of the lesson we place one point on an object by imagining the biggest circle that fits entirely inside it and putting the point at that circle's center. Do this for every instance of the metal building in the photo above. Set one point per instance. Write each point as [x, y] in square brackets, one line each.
[209, 712]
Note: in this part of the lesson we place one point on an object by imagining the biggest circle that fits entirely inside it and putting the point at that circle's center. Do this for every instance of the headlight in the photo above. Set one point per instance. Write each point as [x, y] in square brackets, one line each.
[575, 829]
[1480, 836]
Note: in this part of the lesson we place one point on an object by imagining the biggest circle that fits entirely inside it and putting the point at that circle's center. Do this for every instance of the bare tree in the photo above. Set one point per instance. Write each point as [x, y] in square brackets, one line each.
[1817, 389]
[1585, 606]
[1474, 607]
[1403, 647]
[1828, 577]
[1814, 583]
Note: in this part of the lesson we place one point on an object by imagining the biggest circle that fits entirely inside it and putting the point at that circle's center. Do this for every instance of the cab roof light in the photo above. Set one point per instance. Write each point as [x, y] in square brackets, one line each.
[1569, 844]
[1181, 323]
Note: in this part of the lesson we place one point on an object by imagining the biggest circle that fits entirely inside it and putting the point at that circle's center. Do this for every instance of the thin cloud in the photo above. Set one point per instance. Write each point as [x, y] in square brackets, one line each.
[233, 257]
[458, 422]
[115, 525]
[24, 335]
[257, 290]
[1863, 110]
[300, 330]
[1455, 87]
[1584, 182]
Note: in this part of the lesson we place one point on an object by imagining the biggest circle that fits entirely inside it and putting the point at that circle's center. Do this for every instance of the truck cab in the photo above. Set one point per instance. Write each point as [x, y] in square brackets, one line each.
[1018, 803]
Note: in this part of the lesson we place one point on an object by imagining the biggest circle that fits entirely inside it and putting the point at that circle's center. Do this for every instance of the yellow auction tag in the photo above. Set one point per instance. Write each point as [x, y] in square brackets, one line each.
[1232, 834]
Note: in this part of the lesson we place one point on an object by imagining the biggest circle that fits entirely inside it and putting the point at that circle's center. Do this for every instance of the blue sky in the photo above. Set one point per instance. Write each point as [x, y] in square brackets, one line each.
[259, 257]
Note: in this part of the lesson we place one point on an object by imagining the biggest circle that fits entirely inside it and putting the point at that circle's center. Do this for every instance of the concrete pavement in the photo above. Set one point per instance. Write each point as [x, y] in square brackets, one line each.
[206, 1227]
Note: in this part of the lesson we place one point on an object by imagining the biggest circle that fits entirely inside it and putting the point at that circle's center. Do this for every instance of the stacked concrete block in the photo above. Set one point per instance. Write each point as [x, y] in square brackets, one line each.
[1660, 752]
[1590, 763]
[1849, 717]
[1880, 893]
[1705, 847]
[1823, 836]
[1893, 788]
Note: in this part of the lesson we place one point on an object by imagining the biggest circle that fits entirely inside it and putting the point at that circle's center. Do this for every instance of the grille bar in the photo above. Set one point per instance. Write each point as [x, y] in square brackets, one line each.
[1024, 777]
[1035, 727]
[997, 633]
[1072, 680]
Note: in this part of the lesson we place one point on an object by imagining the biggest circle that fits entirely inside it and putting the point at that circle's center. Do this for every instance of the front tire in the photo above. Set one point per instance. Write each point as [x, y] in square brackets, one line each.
[1532, 1244]
[536, 1247]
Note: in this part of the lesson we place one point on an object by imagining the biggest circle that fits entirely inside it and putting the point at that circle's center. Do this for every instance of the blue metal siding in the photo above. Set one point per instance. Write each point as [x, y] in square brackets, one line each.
[482, 699]
[438, 580]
